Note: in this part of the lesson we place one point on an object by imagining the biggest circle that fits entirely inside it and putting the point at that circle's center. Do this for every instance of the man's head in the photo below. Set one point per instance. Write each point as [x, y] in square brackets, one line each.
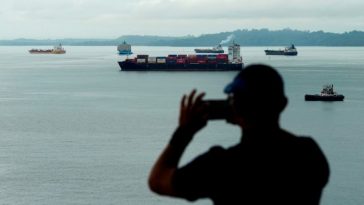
[258, 94]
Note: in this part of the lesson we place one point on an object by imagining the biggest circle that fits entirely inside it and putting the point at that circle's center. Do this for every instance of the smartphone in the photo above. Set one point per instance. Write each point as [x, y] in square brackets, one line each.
[217, 109]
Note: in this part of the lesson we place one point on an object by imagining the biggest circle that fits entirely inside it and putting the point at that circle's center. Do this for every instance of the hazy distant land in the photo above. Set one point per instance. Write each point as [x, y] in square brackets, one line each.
[255, 37]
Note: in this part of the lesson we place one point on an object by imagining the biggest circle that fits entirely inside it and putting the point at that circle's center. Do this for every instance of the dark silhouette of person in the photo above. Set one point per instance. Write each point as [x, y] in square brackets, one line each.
[268, 166]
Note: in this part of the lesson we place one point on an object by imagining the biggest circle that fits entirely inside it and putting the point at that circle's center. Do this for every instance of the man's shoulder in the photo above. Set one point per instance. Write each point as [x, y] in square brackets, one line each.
[302, 140]
[306, 149]
[216, 151]
[218, 154]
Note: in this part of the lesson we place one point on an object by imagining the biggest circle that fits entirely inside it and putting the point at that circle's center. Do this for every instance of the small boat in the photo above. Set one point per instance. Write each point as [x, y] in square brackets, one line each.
[124, 49]
[288, 51]
[327, 94]
[217, 49]
[56, 50]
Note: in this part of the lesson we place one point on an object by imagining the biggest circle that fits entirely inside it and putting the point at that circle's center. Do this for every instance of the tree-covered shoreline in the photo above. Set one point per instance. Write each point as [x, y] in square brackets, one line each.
[254, 37]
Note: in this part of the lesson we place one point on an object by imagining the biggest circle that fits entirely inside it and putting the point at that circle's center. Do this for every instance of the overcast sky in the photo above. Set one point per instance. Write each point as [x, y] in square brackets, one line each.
[112, 18]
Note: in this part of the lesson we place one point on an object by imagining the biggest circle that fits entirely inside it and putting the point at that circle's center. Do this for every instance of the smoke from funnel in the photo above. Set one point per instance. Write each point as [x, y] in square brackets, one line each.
[228, 39]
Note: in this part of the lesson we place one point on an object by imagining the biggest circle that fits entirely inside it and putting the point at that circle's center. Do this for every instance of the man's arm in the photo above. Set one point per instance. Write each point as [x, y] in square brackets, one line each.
[192, 118]
[162, 174]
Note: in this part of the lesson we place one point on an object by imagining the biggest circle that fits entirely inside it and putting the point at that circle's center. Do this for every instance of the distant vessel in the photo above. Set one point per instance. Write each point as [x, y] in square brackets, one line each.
[217, 49]
[124, 49]
[288, 51]
[327, 94]
[56, 50]
[182, 62]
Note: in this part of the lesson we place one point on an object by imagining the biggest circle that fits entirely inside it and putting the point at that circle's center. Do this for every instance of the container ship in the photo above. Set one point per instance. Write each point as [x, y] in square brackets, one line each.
[124, 49]
[182, 62]
[56, 50]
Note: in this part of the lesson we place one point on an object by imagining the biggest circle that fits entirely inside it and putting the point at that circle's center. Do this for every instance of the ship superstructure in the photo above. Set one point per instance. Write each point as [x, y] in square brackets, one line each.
[234, 53]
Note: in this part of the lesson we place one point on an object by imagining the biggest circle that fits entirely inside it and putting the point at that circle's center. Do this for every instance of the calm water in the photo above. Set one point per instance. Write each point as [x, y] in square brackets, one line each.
[76, 130]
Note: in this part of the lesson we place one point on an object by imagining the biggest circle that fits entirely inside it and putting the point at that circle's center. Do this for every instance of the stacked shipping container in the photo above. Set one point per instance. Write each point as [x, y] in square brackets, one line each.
[183, 59]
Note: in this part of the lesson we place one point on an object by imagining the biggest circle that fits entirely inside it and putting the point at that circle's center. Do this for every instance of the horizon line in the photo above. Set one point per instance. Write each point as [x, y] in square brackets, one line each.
[176, 36]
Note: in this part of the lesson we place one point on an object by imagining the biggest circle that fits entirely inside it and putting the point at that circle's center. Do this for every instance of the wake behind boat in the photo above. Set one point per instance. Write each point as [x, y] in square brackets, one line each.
[288, 51]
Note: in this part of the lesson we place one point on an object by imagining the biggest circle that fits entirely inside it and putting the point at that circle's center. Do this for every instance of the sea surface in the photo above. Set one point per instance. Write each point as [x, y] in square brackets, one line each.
[74, 129]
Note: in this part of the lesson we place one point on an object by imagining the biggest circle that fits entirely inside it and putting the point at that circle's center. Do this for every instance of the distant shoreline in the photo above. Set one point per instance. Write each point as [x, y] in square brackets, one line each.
[254, 37]
[282, 46]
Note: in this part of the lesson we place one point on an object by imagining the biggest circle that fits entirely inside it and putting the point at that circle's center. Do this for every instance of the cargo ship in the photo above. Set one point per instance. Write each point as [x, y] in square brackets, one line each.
[56, 50]
[217, 49]
[182, 62]
[288, 51]
[327, 94]
[124, 49]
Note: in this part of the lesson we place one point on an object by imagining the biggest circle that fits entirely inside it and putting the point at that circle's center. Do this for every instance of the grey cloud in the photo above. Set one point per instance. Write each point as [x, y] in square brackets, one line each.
[247, 9]
[96, 18]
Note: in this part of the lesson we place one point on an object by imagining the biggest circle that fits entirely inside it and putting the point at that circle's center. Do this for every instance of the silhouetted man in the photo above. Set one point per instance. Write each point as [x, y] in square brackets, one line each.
[268, 166]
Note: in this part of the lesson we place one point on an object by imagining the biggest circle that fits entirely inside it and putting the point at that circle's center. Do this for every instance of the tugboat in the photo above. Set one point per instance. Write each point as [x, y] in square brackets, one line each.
[327, 94]
[217, 49]
[288, 51]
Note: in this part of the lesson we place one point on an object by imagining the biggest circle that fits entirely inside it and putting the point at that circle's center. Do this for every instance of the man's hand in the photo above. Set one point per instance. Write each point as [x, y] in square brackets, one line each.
[193, 112]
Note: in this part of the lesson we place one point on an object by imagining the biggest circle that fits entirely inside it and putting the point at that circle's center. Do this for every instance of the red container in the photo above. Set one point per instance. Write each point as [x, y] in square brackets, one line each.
[192, 60]
[222, 56]
[181, 61]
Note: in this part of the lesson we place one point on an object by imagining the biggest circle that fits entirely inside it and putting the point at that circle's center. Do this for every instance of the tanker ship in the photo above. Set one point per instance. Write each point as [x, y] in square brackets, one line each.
[182, 62]
[217, 49]
[288, 51]
[56, 50]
